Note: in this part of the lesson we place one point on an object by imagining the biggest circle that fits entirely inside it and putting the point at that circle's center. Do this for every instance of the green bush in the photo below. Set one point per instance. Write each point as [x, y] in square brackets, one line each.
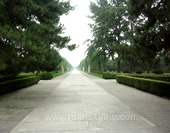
[46, 76]
[157, 87]
[155, 77]
[158, 71]
[12, 85]
[109, 75]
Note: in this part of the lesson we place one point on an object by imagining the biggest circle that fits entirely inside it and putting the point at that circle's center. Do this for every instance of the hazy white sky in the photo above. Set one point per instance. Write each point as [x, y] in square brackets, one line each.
[76, 24]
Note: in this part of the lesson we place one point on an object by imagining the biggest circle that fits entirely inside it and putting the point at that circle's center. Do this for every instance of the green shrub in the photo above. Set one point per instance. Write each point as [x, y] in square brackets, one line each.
[12, 85]
[157, 87]
[109, 75]
[46, 76]
[158, 71]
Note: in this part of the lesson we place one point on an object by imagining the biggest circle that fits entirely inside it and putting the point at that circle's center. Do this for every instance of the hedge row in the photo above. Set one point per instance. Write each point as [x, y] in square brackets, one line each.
[155, 77]
[12, 85]
[46, 76]
[109, 75]
[157, 87]
[49, 75]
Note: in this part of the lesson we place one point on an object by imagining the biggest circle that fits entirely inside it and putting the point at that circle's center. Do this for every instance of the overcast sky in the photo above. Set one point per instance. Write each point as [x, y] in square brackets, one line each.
[76, 24]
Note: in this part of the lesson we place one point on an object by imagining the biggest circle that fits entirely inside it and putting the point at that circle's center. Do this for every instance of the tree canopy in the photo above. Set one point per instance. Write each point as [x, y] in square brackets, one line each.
[133, 33]
[152, 25]
[29, 30]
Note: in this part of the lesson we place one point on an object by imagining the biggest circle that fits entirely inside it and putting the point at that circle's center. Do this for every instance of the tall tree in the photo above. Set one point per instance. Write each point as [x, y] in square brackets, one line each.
[66, 65]
[96, 58]
[110, 25]
[152, 26]
[28, 29]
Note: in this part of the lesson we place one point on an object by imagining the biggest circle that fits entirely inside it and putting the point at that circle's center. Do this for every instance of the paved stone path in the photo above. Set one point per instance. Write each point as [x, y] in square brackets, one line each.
[80, 103]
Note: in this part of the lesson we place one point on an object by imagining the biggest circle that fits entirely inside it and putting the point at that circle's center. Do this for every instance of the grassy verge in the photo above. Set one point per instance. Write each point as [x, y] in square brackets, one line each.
[57, 74]
[96, 74]
[43, 76]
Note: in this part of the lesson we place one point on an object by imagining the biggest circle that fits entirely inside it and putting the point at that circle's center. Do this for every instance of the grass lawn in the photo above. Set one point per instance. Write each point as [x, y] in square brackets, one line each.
[96, 74]
[27, 74]
[33, 74]
[57, 74]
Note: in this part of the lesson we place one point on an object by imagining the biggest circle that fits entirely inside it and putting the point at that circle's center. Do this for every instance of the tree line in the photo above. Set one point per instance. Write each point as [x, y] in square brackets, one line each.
[31, 35]
[129, 35]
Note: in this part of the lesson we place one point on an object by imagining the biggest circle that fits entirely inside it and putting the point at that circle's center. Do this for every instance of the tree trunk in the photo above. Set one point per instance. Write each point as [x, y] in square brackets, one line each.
[118, 65]
[101, 66]
[104, 61]
[99, 63]
[148, 69]
[130, 67]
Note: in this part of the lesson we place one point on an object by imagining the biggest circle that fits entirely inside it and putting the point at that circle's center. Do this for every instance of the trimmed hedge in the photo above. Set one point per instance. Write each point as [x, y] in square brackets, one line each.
[157, 87]
[155, 77]
[46, 76]
[12, 85]
[109, 75]
[50, 75]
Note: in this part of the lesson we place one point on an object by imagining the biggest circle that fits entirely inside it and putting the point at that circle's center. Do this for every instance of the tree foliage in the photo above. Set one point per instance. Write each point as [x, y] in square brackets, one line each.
[29, 29]
[66, 65]
[133, 33]
[152, 25]
[110, 26]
